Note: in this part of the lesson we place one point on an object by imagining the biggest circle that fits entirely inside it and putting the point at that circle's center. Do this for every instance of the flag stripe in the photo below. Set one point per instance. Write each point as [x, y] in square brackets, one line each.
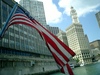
[58, 60]
[69, 69]
[18, 14]
[20, 18]
[66, 70]
[52, 43]
[58, 55]
[67, 48]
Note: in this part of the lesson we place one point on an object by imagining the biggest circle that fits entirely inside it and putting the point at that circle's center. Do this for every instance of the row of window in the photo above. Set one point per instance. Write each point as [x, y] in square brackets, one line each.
[85, 53]
[26, 47]
[14, 64]
[15, 52]
[46, 63]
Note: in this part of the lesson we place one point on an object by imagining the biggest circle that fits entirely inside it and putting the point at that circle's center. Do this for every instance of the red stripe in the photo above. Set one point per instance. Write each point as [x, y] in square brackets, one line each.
[57, 60]
[25, 23]
[69, 69]
[55, 57]
[20, 15]
[66, 47]
[24, 19]
[62, 70]
[52, 43]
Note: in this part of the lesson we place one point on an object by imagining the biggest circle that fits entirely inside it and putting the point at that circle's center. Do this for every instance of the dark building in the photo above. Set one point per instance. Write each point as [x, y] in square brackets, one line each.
[21, 49]
[95, 44]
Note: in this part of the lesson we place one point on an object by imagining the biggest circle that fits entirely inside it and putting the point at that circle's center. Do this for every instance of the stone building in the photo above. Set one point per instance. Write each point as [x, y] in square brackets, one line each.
[95, 44]
[77, 40]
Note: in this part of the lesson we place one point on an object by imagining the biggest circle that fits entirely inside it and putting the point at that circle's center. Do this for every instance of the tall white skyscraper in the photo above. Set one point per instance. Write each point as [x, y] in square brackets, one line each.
[77, 41]
[36, 9]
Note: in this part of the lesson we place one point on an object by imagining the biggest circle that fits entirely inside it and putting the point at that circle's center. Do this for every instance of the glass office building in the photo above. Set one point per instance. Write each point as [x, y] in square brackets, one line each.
[21, 47]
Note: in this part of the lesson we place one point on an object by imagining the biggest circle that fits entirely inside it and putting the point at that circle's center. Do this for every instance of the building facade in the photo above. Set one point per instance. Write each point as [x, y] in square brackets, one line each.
[95, 44]
[53, 30]
[36, 9]
[22, 51]
[62, 36]
[98, 18]
[77, 41]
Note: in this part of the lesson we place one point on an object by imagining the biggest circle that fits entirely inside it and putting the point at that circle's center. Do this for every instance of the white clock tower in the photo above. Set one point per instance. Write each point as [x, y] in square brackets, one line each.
[77, 40]
[74, 15]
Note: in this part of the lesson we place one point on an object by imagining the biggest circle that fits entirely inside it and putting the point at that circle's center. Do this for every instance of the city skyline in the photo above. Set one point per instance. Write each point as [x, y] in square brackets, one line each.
[59, 15]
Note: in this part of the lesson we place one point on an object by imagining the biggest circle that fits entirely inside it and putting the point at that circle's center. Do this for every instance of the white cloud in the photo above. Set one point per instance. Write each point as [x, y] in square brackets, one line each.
[81, 6]
[51, 12]
[17, 1]
[53, 15]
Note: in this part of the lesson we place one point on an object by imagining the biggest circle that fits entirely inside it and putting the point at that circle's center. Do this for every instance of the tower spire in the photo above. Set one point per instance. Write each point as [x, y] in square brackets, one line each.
[74, 16]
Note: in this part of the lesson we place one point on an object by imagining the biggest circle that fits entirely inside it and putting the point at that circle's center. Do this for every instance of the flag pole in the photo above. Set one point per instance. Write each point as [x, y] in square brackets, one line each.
[5, 26]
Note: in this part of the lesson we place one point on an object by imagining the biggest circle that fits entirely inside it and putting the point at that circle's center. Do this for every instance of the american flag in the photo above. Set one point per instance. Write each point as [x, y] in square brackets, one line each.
[59, 50]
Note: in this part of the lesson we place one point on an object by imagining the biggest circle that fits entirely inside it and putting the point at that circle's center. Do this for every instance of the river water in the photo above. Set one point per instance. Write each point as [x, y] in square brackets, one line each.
[91, 69]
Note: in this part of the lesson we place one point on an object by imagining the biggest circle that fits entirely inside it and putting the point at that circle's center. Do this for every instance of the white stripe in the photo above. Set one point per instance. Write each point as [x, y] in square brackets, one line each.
[58, 55]
[18, 20]
[66, 70]
[32, 24]
[59, 66]
[21, 17]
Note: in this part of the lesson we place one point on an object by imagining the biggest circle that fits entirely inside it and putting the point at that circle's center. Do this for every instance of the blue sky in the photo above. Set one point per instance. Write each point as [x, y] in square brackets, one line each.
[57, 14]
